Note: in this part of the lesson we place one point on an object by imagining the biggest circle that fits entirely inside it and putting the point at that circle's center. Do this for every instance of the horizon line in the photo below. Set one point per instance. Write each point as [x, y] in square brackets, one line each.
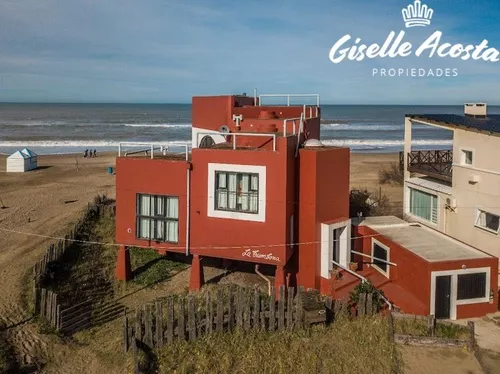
[190, 103]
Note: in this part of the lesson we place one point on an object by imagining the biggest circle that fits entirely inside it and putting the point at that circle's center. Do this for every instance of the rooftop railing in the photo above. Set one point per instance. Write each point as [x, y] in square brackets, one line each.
[148, 149]
[234, 135]
[436, 164]
[289, 96]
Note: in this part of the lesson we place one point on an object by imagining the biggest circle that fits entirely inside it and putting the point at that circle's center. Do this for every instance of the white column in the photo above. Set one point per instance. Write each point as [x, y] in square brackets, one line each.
[406, 173]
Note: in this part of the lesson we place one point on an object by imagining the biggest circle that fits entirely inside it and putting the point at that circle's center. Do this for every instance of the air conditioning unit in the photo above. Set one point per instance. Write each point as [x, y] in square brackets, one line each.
[474, 178]
[451, 202]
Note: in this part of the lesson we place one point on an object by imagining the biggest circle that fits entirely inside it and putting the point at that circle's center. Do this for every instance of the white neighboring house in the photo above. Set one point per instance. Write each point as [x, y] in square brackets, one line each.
[457, 191]
[21, 161]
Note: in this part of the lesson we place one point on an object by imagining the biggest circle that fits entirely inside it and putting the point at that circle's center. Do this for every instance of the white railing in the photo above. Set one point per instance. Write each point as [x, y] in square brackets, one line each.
[289, 96]
[363, 279]
[236, 134]
[151, 148]
[374, 258]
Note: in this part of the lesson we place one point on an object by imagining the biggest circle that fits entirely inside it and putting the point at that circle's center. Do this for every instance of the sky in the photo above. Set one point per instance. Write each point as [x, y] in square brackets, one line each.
[166, 51]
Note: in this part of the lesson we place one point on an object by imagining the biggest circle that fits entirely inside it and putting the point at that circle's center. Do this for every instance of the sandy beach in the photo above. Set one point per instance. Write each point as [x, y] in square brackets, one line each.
[47, 200]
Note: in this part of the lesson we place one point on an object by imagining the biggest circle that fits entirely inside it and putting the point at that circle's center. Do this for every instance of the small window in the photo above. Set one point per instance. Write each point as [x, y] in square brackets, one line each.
[424, 205]
[237, 192]
[157, 218]
[488, 221]
[467, 157]
[380, 257]
[471, 286]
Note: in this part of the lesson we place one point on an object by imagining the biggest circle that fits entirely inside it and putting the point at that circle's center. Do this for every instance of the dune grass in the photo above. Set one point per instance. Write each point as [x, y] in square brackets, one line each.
[357, 346]
[416, 327]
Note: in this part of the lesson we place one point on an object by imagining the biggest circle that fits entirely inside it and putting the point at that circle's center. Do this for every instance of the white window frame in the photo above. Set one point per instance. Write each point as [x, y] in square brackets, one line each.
[388, 249]
[251, 169]
[454, 289]
[327, 246]
[418, 218]
[476, 219]
[463, 158]
[151, 217]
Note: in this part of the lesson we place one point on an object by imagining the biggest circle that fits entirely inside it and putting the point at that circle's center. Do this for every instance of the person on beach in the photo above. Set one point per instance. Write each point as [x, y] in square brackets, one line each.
[95, 153]
[86, 153]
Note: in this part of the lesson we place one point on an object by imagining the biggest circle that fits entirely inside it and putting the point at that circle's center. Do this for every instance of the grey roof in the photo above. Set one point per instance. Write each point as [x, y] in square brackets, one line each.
[431, 184]
[427, 243]
[489, 124]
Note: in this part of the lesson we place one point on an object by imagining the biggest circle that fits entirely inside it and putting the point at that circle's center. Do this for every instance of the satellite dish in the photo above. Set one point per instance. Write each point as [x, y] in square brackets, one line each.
[207, 142]
[224, 128]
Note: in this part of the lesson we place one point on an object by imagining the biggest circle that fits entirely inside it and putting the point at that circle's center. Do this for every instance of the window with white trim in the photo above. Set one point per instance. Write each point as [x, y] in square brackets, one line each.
[157, 218]
[237, 192]
[488, 221]
[471, 286]
[467, 157]
[380, 257]
[424, 205]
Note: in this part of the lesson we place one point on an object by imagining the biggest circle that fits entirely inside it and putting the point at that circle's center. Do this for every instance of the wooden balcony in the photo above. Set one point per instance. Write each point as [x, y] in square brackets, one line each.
[435, 164]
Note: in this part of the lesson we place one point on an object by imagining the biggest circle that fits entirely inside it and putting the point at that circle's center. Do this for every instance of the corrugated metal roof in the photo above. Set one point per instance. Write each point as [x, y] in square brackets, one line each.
[431, 184]
[489, 124]
[429, 244]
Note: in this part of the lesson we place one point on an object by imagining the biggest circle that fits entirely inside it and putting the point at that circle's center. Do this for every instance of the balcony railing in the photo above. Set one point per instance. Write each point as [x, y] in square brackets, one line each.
[435, 164]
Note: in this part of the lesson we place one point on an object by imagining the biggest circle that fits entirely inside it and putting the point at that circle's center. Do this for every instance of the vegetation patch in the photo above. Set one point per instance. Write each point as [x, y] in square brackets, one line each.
[150, 267]
[418, 327]
[391, 174]
[347, 346]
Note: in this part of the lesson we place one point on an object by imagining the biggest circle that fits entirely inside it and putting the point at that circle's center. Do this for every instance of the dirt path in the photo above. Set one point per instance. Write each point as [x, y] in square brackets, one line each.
[36, 203]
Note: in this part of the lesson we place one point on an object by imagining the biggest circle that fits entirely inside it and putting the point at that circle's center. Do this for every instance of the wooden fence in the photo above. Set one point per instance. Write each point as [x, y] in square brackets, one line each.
[230, 309]
[47, 304]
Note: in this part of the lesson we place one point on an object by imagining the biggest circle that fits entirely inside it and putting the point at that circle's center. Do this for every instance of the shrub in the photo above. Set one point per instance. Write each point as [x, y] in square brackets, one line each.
[367, 287]
[391, 174]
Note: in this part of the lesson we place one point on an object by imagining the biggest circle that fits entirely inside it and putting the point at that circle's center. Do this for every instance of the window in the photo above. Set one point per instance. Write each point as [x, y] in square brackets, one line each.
[380, 256]
[488, 221]
[158, 218]
[471, 286]
[466, 157]
[237, 192]
[423, 205]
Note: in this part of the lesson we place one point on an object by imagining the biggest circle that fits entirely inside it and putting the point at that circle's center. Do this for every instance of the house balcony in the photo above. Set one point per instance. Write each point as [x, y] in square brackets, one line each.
[436, 164]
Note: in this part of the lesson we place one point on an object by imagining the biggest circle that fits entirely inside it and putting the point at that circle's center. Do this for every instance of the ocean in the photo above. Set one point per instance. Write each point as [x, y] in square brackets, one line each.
[72, 128]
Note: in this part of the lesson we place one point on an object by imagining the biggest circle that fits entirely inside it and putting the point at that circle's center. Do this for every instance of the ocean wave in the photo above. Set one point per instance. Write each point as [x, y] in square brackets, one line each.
[87, 143]
[164, 125]
[383, 143]
[371, 127]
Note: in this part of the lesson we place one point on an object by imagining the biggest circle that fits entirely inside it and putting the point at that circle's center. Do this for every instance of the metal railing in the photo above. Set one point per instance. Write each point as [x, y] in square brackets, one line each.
[364, 280]
[151, 148]
[236, 134]
[289, 96]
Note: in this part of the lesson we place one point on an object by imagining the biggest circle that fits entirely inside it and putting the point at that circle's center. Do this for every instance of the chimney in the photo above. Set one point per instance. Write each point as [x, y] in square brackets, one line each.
[476, 109]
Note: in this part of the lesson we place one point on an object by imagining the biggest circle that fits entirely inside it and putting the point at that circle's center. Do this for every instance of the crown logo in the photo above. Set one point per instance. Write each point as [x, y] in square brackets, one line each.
[417, 14]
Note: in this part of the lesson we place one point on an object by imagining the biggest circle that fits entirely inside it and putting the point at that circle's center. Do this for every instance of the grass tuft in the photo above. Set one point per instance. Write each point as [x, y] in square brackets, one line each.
[417, 327]
[391, 174]
[150, 267]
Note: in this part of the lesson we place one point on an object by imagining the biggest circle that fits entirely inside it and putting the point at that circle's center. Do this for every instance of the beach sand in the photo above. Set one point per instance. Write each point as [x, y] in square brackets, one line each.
[46, 201]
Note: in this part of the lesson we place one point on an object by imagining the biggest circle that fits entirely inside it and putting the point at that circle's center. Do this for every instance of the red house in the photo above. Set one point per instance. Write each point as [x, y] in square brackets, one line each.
[256, 182]
[259, 187]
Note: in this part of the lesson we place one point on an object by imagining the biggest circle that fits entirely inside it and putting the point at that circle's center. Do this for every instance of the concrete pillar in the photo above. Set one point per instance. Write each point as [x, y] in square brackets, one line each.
[123, 269]
[279, 279]
[406, 151]
[197, 278]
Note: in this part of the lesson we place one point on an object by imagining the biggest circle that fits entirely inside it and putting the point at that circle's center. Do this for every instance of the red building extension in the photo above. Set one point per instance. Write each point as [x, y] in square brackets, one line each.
[259, 187]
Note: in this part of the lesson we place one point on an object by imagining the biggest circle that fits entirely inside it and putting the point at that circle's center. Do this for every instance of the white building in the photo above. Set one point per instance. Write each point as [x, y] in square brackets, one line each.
[21, 161]
[457, 191]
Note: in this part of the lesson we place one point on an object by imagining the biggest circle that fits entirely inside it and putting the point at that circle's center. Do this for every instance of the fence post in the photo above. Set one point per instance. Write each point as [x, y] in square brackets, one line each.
[58, 317]
[138, 324]
[431, 325]
[390, 327]
[247, 312]
[182, 323]
[272, 310]
[256, 309]
[125, 333]
[209, 316]
[336, 309]
[298, 307]
[220, 311]
[159, 325]
[191, 318]
[239, 308]
[361, 307]
[289, 309]
[148, 326]
[230, 309]
[135, 359]
[43, 302]
[170, 320]
[329, 309]
[472, 336]
[369, 304]
[281, 309]
[54, 310]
